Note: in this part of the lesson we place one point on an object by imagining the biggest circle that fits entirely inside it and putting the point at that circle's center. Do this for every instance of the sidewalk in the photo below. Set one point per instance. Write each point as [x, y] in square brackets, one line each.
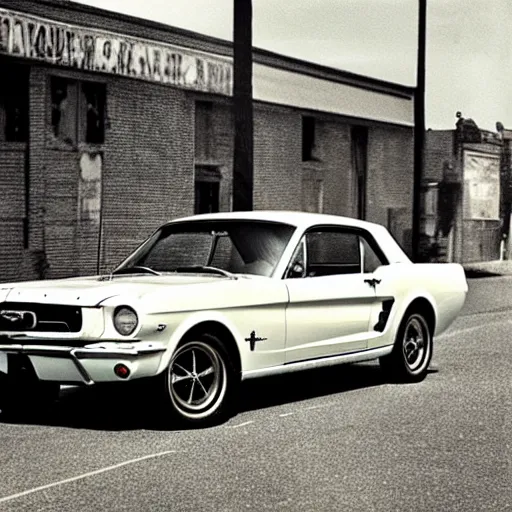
[488, 268]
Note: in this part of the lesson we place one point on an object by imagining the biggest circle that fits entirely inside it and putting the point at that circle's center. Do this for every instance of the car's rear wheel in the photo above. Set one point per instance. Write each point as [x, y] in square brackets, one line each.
[412, 351]
[200, 383]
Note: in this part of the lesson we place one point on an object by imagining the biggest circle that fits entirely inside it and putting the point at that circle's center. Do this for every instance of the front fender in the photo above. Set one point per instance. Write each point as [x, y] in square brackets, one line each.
[189, 323]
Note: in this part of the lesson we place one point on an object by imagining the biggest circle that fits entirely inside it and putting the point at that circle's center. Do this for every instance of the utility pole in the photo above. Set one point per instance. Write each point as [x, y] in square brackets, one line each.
[242, 103]
[419, 128]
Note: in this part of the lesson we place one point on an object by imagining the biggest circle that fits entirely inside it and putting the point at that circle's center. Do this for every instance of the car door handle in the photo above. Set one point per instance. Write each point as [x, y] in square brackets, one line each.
[372, 282]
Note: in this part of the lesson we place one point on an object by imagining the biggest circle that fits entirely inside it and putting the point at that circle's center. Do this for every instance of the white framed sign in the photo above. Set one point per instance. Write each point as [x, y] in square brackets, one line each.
[481, 186]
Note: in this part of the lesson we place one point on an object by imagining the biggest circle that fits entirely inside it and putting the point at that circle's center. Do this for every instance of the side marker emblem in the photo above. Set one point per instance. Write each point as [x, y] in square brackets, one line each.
[253, 339]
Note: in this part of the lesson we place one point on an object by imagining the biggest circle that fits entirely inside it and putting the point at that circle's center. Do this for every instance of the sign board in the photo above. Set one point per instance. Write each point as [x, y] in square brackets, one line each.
[26, 36]
[481, 186]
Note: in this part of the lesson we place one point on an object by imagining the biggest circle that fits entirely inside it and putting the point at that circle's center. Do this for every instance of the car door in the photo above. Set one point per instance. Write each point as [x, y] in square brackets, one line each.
[331, 294]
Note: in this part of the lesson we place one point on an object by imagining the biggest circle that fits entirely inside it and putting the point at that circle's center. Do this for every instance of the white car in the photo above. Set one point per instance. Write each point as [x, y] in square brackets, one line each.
[210, 300]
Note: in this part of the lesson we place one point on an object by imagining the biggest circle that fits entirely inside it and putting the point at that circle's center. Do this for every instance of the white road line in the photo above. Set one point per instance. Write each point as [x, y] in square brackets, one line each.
[285, 414]
[85, 475]
[242, 424]
[318, 406]
[458, 332]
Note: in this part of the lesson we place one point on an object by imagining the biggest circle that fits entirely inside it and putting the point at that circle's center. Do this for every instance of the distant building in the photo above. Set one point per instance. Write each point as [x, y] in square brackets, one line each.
[111, 125]
[466, 193]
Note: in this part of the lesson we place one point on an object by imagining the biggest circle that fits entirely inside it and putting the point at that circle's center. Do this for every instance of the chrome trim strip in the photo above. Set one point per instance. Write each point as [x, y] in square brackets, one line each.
[78, 353]
[97, 353]
[58, 352]
[23, 338]
[81, 370]
[352, 357]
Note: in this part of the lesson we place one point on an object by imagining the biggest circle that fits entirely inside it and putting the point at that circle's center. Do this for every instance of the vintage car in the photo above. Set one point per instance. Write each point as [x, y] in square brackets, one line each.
[209, 300]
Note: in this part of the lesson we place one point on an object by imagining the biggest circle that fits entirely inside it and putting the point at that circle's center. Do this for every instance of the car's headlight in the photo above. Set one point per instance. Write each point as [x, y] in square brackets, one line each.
[125, 320]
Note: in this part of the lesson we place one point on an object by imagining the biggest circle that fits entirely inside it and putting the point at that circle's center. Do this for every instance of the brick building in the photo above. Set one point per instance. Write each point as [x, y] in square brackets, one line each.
[466, 193]
[111, 125]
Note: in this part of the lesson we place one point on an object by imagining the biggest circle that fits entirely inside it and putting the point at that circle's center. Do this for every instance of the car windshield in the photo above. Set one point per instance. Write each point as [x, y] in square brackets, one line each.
[245, 247]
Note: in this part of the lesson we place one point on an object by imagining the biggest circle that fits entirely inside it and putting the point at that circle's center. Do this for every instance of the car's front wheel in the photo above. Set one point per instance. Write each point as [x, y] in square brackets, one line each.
[200, 383]
[412, 351]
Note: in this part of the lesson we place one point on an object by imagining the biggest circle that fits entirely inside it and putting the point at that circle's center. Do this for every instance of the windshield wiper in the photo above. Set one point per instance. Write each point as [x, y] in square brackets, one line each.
[136, 269]
[205, 269]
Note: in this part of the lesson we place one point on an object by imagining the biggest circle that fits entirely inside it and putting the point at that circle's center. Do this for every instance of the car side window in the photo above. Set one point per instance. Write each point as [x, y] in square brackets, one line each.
[331, 251]
[371, 260]
[297, 266]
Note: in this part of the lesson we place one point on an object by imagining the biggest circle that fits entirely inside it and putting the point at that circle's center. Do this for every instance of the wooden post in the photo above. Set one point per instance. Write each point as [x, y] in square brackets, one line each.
[243, 109]
[419, 129]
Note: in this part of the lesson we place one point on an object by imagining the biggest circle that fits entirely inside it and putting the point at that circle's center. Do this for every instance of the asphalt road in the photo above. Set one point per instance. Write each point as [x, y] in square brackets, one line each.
[329, 440]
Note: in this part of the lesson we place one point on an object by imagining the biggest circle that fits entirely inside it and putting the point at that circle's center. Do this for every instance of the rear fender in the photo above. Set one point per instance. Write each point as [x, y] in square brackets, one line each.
[443, 285]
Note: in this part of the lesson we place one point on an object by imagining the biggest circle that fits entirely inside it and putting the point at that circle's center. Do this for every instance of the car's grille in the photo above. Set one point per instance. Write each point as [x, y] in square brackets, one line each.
[26, 316]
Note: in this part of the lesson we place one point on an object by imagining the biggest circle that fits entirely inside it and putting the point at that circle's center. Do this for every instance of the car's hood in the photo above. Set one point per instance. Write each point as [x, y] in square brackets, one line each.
[91, 291]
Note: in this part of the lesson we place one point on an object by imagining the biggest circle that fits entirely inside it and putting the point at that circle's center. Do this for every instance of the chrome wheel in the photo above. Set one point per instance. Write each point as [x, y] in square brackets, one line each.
[412, 351]
[416, 343]
[197, 380]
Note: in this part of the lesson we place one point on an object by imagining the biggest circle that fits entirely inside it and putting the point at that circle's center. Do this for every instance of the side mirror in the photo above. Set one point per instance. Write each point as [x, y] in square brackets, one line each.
[297, 270]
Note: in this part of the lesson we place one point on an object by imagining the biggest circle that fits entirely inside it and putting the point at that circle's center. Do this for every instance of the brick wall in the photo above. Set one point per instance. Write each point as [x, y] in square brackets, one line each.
[277, 154]
[439, 150]
[148, 170]
[12, 209]
[148, 164]
[390, 180]
[147, 174]
[337, 168]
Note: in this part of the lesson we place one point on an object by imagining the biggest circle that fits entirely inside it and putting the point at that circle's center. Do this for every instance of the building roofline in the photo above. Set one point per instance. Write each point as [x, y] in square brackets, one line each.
[260, 56]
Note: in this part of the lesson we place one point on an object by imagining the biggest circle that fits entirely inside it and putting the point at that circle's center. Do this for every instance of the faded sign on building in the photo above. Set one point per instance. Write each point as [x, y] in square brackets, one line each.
[88, 49]
[89, 188]
[481, 186]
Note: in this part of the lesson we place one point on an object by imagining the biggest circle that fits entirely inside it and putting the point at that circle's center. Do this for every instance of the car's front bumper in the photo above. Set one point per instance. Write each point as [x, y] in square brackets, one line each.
[60, 360]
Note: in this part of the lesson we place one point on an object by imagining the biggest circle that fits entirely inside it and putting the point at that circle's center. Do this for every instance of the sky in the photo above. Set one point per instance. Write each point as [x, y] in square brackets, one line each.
[468, 61]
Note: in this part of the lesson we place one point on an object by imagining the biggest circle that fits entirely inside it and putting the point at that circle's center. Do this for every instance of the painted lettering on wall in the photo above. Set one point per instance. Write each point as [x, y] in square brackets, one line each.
[88, 49]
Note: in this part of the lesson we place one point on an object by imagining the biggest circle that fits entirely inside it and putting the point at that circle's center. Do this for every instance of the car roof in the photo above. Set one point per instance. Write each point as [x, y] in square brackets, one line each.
[294, 218]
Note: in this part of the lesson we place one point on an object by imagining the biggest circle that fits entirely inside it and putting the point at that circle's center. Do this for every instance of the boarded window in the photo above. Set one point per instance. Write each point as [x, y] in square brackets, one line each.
[14, 103]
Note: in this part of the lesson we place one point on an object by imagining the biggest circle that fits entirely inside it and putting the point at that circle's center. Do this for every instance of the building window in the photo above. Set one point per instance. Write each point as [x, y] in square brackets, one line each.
[94, 99]
[207, 197]
[207, 189]
[64, 113]
[78, 111]
[359, 137]
[308, 138]
[14, 104]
